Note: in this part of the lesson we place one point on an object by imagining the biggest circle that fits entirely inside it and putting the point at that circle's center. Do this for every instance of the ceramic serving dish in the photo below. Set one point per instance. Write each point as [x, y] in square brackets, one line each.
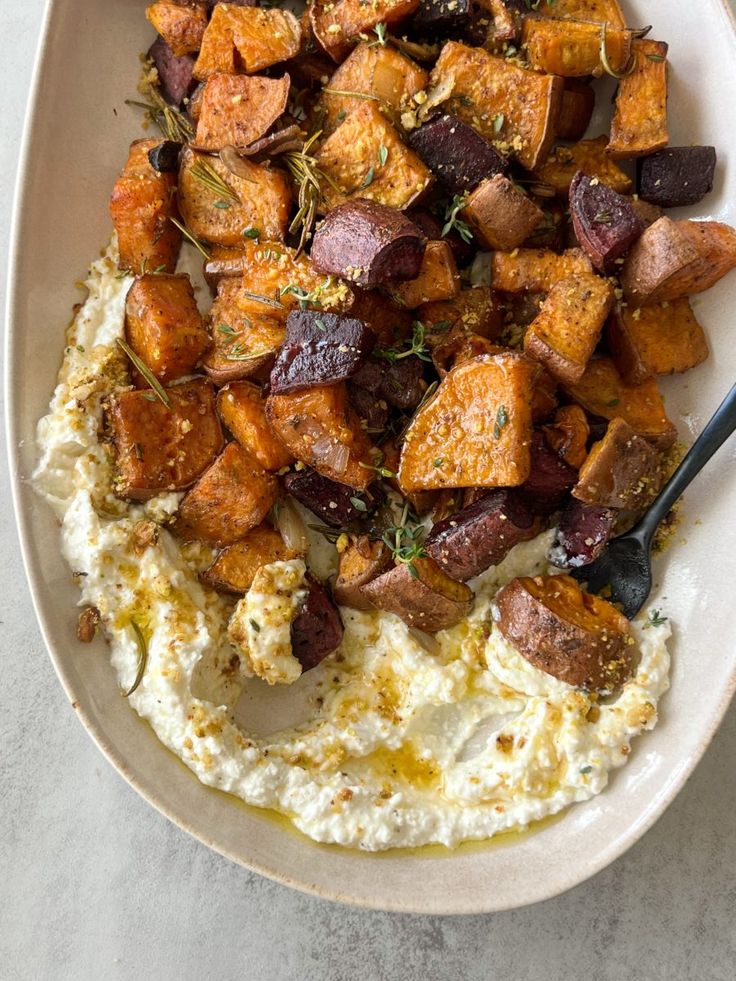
[76, 140]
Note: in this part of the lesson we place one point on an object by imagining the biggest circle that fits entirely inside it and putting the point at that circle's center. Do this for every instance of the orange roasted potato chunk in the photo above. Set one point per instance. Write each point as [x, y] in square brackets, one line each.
[438, 278]
[459, 347]
[181, 25]
[366, 158]
[476, 430]
[603, 392]
[223, 263]
[163, 448]
[164, 326]
[501, 215]
[572, 49]
[660, 339]
[482, 89]
[472, 311]
[567, 328]
[361, 562]
[141, 204]
[243, 410]
[321, 429]
[234, 569]
[536, 270]
[568, 434]
[238, 109]
[590, 156]
[422, 595]
[261, 200]
[639, 124]
[233, 496]
[599, 11]
[579, 638]
[247, 39]
[622, 470]
[338, 24]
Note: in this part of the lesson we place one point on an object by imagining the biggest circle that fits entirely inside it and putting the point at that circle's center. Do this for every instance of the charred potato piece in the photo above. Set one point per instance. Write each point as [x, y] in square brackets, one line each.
[337, 25]
[399, 383]
[605, 222]
[422, 595]
[476, 430]
[438, 278]
[501, 215]
[535, 270]
[161, 448]
[317, 629]
[660, 339]
[568, 435]
[319, 349]
[164, 326]
[573, 49]
[246, 39]
[235, 567]
[164, 158]
[588, 156]
[369, 244]
[141, 204]
[639, 124]
[230, 499]
[182, 26]
[544, 397]
[582, 534]
[678, 258]
[572, 635]
[242, 408]
[473, 311]
[175, 75]
[622, 470]
[550, 479]
[238, 109]
[361, 562]
[337, 505]
[458, 156]
[576, 110]
[460, 347]
[677, 176]
[566, 330]
[373, 412]
[442, 16]
[384, 317]
[480, 535]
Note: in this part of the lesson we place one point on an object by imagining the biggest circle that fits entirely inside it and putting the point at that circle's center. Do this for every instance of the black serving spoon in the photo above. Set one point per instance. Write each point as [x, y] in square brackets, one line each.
[626, 564]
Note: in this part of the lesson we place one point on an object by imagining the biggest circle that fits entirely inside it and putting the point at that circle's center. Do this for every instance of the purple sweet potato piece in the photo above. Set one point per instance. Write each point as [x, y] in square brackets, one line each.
[481, 535]
[548, 485]
[677, 176]
[456, 154]
[370, 408]
[582, 534]
[317, 629]
[400, 383]
[369, 244]
[442, 16]
[604, 221]
[319, 349]
[164, 158]
[175, 74]
[330, 501]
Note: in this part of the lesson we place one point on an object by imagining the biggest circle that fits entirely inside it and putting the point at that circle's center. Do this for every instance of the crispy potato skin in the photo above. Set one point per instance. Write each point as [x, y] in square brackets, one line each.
[576, 637]
[230, 499]
[639, 124]
[181, 26]
[430, 601]
[246, 39]
[501, 216]
[322, 430]
[578, 102]
[438, 278]
[535, 270]
[477, 425]
[558, 170]
[238, 109]
[568, 435]
[660, 339]
[242, 409]
[141, 204]
[361, 562]
[235, 567]
[597, 11]
[224, 263]
[164, 326]
[564, 334]
[481, 88]
[622, 470]
[161, 449]
[572, 49]
[336, 25]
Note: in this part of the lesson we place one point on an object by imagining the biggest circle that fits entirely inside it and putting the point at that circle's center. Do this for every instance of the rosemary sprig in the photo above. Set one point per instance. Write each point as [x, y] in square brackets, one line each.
[452, 221]
[205, 174]
[142, 657]
[406, 542]
[307, 177]
[605, 63]
[418, 346]
[347, 94]
[173, 124]
[145, 371]
[191, 236]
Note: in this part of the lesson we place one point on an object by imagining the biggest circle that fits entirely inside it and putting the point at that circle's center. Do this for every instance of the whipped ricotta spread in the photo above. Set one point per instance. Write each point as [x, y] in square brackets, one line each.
[390, 741]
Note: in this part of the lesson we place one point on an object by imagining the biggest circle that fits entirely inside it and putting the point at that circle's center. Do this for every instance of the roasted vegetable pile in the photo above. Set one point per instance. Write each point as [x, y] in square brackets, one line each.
[439, 309]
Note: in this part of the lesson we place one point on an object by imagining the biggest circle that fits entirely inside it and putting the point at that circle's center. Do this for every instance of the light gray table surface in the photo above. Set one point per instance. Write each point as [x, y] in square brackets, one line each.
[94, 884]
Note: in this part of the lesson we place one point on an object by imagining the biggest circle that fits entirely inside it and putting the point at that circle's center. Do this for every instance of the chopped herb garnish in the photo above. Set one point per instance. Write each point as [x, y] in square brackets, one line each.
[228, 330]
[452, 221]
[382, 155]
[260, 298]
[604, 217]
[146, 372]
[655, 57]
[222, 205]
[655, 619]
[438, 462]
[498, 122]
[368, 179]
[255, 625]
[502, 417]
[320, 323]
[586, 769]
[303, 296]
[378, 468]
[341, 116]
[612, 402]
[605, 63]
[142, 656]
[418, 347]
[406, 542]
[358, 504]
[252, 233]
[380, 31]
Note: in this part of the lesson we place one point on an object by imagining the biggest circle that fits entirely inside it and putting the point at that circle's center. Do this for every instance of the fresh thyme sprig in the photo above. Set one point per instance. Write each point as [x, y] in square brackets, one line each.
[452, 221]
[146, 372]
[418, 346]
[655, 619]
[142, 656]
[205, 174]
[406, 541]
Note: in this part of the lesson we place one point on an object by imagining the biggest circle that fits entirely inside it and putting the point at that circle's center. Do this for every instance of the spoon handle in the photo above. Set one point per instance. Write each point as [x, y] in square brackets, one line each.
[715, 434]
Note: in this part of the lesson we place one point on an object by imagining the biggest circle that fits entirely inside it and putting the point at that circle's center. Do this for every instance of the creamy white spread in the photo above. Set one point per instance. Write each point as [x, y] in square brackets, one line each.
[386, 743]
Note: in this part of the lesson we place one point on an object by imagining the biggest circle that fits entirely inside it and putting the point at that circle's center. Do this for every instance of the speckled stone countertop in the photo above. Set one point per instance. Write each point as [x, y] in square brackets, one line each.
[94, 884]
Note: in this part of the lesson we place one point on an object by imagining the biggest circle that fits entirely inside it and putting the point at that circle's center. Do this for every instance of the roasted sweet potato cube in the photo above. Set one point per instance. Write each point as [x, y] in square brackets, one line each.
[161, 448]
[558, 170]
[243, 410]
[164, 326]
[182, 26]
[473, 311]
[501, 215]
[373, 70]
[646, 212]
[506, 19]
[623, 470]
[605, 222]
[141, 204]
[660, 339]
[238, 109]
[365, 158]
[438, 278]
[639, 123]
[568, 435]
[514, 108]
[677, 176]
[578, 102]
[422, 595]
[247, 39]
[573, 48]
[476, 430]
[575, 636]
[361, 562]
[535, 270]
[223, 263]
[337, 25]
[603, 392]
[599, 11]
[235, 567]
[565, 333]
[260, 200]
[459, 347]
[389, 322]
[322, 430]
[458, 156]
[230, 499]
[677, 258]
[175, 75]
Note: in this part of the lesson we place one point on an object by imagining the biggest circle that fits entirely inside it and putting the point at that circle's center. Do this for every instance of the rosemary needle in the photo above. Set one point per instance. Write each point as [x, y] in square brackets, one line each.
[192, 238]
[145, 372]
[142, 656]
